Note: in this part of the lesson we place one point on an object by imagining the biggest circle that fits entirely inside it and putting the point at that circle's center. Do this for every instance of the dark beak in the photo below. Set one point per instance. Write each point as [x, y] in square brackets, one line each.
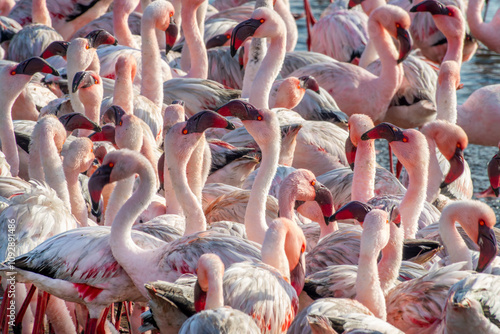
[352, 210]
[107, 134]
[206, 119]
[83, 79]
[350, 152]
[113, 115]
[76, 120]
[298, 276]
[99, 37]
[7, 32]
[171, 35]
[353, 3]
[457, 166]
[494, 173]
[241, 32]
[403, 36]
[308, 82]
[181, 102]
[161, 170]
[97, 181]
[241, 56]
[34, 65]
[218, 40]
[432, 6]
[241, 109]
[487, 246]
[395, 216]
[57, 48]
[385, 131]
[324, 198]
[290, 129]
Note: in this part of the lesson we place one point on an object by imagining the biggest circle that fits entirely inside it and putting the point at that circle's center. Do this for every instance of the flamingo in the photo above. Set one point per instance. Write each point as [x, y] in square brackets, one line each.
[349, 79]
[484, 32]
[451, 23]
[123, 163]
[18, 76]
[215, 317]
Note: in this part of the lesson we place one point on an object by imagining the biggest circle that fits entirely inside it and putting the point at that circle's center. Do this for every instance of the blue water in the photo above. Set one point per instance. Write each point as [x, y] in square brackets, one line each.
[483, 69]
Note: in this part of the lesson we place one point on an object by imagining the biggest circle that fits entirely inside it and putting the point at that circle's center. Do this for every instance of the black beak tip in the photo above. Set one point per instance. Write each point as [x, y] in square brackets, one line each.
[230, 126]
[496, 191]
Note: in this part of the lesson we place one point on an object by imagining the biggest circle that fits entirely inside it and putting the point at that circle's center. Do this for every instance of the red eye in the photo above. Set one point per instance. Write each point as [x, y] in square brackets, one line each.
[405, 140]
[259, 118]
[13, 72]
[262, 20]
[87, 46]
[111, 164]
[303, 249]
[481, 222]
[313, 182]
[228, 36]
[120, 124]
[459, 145]
[185, 131]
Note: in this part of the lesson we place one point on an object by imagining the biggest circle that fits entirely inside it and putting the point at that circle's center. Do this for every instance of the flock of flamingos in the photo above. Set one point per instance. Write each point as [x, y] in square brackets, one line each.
[176, 167]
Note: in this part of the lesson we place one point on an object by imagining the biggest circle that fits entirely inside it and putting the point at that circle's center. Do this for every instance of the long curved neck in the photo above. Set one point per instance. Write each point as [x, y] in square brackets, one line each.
[120, 25]
[273, 249]
[282, 7]
[194, 168]
[53, 166]
[40, 13]
[92, 104]
[412, 203]
[435, 173]
[269, 69]
[194, 40]
[368, 291]
[446, 91]
[392, 255]
[195, 217]
[123, 94]
[455, 245]
[255, 214]
[130, 256]
[152, 80]
[286, 201]
[363, 181]
[7, 135]
[78, 207]
[121, 193]
[391, 74]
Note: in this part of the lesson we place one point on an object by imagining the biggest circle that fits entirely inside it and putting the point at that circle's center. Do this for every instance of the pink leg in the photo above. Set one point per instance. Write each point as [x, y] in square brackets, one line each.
[24, 307]
[41, 306]
[128, 306]
[91, 326]
[102, 321]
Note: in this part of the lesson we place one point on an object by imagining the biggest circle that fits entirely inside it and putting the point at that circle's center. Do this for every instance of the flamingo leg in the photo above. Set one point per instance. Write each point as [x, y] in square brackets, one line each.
[42, 300]
[22, 310]
[4, 324]
[102, 321]
[391, 162]
[128, 306]
[118, 315]
[91, 326]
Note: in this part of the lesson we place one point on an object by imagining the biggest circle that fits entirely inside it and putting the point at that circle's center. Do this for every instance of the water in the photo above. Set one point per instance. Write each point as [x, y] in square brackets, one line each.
[483, 69]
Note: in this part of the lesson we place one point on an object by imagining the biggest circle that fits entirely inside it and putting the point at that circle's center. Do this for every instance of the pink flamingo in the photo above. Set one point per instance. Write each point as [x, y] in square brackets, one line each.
[484, 32]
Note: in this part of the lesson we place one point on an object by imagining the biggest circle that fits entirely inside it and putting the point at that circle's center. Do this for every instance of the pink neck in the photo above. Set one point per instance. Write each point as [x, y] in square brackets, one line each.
[363, 181]
[194, 40]
[78, 207]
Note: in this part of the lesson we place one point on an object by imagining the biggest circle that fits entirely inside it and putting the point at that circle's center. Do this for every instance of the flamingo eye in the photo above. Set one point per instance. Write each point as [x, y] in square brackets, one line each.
[13, 72]
[259, 118]
[459, 145]
[171, 14]
[111, 164]
[313, 183]
[185, 131]
[481, 222]
[228, 36]
[120, 124]
[405, 139]
[398, 25]
[262, 20]
[303, 249]
[87, 46]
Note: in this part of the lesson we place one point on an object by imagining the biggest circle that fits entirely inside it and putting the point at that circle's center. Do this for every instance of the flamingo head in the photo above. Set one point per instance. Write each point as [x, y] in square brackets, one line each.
[494, 173]
[210, 271]
[99, 37]
[84, 79]
[265, 22]
[358, 125]
[203, 120]
[241, 109]
[308, 82]
[80, 155]
[33, 65]
[56, 48]
[432, 6]
[218, 40]
[114, 115]
[449, 19]
[76, 120]
[385, 131]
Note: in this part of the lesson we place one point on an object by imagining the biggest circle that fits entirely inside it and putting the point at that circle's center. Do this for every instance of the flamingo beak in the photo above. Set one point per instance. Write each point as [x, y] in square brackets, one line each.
[494, 173]
[241, 32]
[33, 65]
[97, 181]
[218, 40]
[403, 36]
[350, 152]
[107, 134]
[181, 102]
[76, 120]
[200, 297]
[395, 216]
[161, 170]
[385, 131]
[298, 275]
[487, 246]
[308, 82]
[324, 198]
[99, 37]
[82, 79]
[57, 48]
[352, 210]
[113, 115]
[353, 3]
[432, 6]
[171, 35]
[206, 119]
[457, 167]
[7, 32]
[241, 109]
